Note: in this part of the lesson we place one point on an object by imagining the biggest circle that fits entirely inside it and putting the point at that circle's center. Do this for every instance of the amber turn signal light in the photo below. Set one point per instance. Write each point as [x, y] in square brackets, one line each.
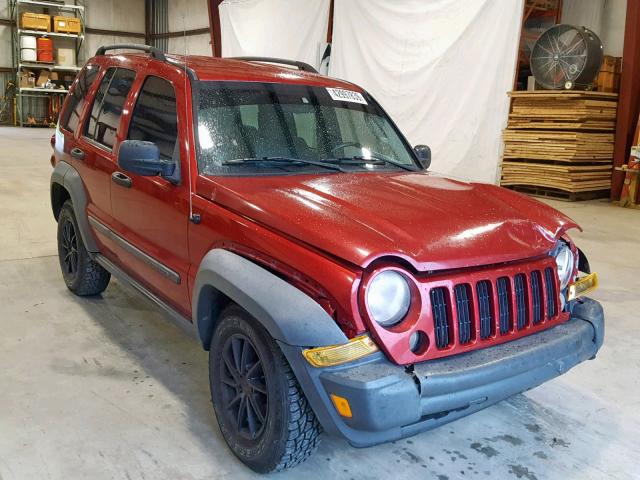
[355, 348]
[583, 285]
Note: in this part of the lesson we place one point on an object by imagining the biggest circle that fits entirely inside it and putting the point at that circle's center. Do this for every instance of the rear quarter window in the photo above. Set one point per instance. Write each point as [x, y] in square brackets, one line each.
[70, 116]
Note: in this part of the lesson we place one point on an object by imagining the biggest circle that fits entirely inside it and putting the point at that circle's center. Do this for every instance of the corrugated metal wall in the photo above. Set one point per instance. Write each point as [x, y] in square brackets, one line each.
[160, 23]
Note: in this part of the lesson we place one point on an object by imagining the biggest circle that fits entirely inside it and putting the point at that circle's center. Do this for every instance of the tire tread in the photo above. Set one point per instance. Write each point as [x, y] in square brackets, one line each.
[304, 429]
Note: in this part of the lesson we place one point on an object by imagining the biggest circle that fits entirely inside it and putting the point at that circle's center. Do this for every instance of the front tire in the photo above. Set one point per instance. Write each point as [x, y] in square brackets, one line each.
[263, 414]
[82, 275]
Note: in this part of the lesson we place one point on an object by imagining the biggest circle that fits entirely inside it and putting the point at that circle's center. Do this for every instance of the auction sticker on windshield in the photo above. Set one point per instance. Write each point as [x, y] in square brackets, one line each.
[346, 95]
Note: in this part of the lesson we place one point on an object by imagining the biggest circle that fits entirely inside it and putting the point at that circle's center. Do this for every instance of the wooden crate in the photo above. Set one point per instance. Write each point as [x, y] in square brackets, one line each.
[608, 79]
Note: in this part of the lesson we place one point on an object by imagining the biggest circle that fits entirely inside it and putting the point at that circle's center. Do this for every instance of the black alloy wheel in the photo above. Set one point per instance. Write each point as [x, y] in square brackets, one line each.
[69, 246]
[244, 387]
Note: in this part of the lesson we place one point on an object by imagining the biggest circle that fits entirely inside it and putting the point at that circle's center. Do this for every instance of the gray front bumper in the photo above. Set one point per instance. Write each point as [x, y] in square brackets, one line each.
[391, 402]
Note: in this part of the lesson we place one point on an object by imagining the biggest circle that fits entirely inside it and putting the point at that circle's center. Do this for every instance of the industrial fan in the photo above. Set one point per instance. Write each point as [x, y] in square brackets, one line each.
[567, 57]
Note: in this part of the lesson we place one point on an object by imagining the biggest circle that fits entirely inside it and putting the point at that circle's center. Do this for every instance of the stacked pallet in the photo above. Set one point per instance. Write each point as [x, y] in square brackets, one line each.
[560, 143]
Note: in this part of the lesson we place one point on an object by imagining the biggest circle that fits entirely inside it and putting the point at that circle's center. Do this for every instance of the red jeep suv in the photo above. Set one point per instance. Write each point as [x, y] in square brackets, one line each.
[337, 284]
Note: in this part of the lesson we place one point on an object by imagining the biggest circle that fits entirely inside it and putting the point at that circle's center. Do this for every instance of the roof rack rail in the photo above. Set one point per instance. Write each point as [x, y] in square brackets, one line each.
[305, 67]
[155, 52]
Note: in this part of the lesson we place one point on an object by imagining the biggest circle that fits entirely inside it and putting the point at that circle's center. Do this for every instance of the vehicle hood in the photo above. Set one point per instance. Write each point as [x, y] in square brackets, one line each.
[431, 222]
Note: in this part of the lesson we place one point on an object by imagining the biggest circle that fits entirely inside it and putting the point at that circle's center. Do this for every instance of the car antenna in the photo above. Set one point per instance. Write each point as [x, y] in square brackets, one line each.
[193, 217]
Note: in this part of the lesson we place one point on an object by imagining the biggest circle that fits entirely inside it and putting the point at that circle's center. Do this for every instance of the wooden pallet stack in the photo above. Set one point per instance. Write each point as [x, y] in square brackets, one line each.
[560, 143]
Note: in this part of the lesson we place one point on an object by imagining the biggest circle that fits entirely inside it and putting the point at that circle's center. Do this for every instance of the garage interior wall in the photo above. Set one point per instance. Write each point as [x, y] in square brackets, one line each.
[122, 15]
[440, 69]
[274, 28]
[5, 36]
[189, 15]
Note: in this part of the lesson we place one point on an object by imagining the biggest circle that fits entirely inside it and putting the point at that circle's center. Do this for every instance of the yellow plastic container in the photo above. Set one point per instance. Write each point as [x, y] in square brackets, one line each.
[36, 21]
[66, 25]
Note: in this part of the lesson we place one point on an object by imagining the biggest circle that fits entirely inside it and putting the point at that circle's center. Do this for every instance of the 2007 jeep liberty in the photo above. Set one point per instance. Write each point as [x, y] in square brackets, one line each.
[338, 285]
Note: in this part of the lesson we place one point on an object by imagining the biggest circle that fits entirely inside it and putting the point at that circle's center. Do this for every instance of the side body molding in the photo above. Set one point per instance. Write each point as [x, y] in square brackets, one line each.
[289, 315]
[67, 176]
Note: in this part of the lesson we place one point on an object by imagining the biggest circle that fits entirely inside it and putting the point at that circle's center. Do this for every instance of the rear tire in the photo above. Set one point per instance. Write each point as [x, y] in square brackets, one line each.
[263, 414]
[82, 275]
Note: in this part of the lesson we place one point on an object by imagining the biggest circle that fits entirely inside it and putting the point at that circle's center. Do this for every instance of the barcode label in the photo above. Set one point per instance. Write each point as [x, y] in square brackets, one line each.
[346, 95]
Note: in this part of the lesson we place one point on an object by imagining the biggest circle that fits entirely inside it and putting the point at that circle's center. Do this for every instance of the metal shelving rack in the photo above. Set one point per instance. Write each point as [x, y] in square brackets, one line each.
[29, 95]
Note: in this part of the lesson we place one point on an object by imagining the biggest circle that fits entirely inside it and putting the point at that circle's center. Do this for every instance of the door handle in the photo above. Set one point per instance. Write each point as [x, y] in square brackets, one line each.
[121, 179]
[77, 153]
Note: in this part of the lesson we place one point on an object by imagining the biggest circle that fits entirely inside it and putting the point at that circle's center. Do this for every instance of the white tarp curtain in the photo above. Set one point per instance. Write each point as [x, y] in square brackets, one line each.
[584, 13]
[440, 68]
[292, 29]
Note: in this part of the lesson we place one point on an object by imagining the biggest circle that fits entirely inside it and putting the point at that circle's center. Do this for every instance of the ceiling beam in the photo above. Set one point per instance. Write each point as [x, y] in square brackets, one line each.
[114, 33]
[186, 33]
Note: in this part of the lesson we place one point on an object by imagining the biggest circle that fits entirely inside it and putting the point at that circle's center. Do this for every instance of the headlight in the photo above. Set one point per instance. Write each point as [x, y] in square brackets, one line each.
[565, 261]
[388, 298]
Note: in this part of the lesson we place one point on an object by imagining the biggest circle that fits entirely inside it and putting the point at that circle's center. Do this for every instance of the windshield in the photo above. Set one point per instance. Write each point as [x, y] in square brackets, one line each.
[251, 128]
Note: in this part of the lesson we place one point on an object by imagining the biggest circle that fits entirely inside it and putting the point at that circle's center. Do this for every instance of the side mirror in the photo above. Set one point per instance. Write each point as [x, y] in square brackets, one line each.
[423, 152]
[143, 158]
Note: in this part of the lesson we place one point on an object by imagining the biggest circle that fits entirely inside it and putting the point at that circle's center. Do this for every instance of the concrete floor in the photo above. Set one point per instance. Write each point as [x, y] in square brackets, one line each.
[106, 388]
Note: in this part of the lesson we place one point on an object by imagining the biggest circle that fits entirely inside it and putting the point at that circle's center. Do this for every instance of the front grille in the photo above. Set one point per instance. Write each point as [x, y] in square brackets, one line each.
[492, 307]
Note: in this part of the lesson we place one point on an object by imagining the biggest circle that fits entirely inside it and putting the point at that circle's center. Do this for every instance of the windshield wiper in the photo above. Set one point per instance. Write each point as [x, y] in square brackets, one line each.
[249, 161]
[371, 160]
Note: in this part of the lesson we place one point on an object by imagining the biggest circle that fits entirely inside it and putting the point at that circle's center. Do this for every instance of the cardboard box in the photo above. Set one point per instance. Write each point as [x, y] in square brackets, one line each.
[66, 57]
[43, 78]
[27, 79]
[66, 24]
[36, 21]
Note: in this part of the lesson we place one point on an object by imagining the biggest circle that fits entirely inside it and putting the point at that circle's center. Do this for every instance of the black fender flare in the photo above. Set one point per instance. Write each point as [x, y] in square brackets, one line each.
[68, 177]
[288, 314]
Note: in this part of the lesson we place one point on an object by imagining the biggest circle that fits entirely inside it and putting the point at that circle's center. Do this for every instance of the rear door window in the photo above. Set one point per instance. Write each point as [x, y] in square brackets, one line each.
[71, 115]
[102, 125]
[155, 117]
[90, 124]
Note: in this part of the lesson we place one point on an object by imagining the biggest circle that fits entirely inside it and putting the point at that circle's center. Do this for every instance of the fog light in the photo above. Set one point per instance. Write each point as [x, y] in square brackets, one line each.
[418, 342]
[342, 405]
